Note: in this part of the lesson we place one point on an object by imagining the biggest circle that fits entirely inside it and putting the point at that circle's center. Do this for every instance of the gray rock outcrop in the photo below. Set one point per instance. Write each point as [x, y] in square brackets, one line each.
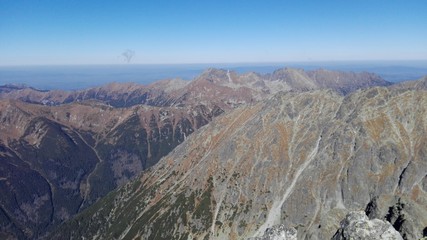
[357, 225]
[278, 232]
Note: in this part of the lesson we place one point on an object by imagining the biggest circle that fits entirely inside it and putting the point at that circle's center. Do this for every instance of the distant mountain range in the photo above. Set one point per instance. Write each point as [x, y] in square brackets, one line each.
[244, 88]
[61, 151]
[78, 77]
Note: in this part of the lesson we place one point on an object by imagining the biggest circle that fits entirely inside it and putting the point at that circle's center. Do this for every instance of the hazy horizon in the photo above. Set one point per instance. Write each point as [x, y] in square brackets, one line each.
[408, 62]
[78, 44]
[75, 77]
[198, 32]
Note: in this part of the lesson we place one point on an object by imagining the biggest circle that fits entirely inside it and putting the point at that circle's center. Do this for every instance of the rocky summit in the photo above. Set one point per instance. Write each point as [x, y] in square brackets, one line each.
[304, 160]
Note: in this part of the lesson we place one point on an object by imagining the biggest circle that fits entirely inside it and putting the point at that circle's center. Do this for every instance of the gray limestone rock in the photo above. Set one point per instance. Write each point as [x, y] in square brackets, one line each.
[278, 232]
[357, 225]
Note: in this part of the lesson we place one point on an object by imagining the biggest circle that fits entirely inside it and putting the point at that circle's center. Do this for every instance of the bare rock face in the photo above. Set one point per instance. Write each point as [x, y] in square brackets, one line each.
[357, 226]
[278, 232]
[400, 211]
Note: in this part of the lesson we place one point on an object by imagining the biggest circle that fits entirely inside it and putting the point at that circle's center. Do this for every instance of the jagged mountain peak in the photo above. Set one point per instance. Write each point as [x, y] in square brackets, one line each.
[294, 78]
[215, 71]
[217, 76]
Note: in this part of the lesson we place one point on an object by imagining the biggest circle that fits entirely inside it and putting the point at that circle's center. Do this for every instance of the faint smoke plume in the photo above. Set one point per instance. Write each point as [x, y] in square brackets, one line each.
[128, 55]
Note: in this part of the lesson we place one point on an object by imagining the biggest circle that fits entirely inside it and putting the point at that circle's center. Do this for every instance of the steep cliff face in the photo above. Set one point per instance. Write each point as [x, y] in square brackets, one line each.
[299, 159]
[56, 161]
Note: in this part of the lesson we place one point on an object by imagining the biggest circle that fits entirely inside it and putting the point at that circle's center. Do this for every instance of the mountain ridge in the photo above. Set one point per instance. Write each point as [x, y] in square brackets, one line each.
[318, 155]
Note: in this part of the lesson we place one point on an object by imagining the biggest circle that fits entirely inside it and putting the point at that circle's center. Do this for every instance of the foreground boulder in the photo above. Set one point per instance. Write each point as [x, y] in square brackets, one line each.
[278, 232]
[357, 225]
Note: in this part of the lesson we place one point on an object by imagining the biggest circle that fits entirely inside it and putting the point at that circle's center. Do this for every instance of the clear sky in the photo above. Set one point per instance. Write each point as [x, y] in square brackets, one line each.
[219, 31]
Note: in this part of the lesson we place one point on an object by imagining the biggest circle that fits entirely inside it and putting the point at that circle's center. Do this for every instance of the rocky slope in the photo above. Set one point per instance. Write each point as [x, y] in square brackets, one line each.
[226, 88]
[299, 159]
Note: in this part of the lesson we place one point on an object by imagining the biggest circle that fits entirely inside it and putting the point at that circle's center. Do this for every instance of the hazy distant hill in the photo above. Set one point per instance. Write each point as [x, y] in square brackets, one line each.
[249, 86]
[420, 84]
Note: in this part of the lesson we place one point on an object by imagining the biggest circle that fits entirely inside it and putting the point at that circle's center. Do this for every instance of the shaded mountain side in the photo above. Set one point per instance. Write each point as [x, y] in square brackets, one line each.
[222, 88]
[56, 161]
[300, 159]
[42, 172]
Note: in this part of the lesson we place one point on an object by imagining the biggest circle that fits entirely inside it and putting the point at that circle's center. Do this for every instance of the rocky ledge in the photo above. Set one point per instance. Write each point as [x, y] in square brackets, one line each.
[357, 225]
[278, 232]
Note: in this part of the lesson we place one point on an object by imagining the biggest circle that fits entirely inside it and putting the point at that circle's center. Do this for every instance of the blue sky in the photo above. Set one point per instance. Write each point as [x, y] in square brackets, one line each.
[98, 32]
